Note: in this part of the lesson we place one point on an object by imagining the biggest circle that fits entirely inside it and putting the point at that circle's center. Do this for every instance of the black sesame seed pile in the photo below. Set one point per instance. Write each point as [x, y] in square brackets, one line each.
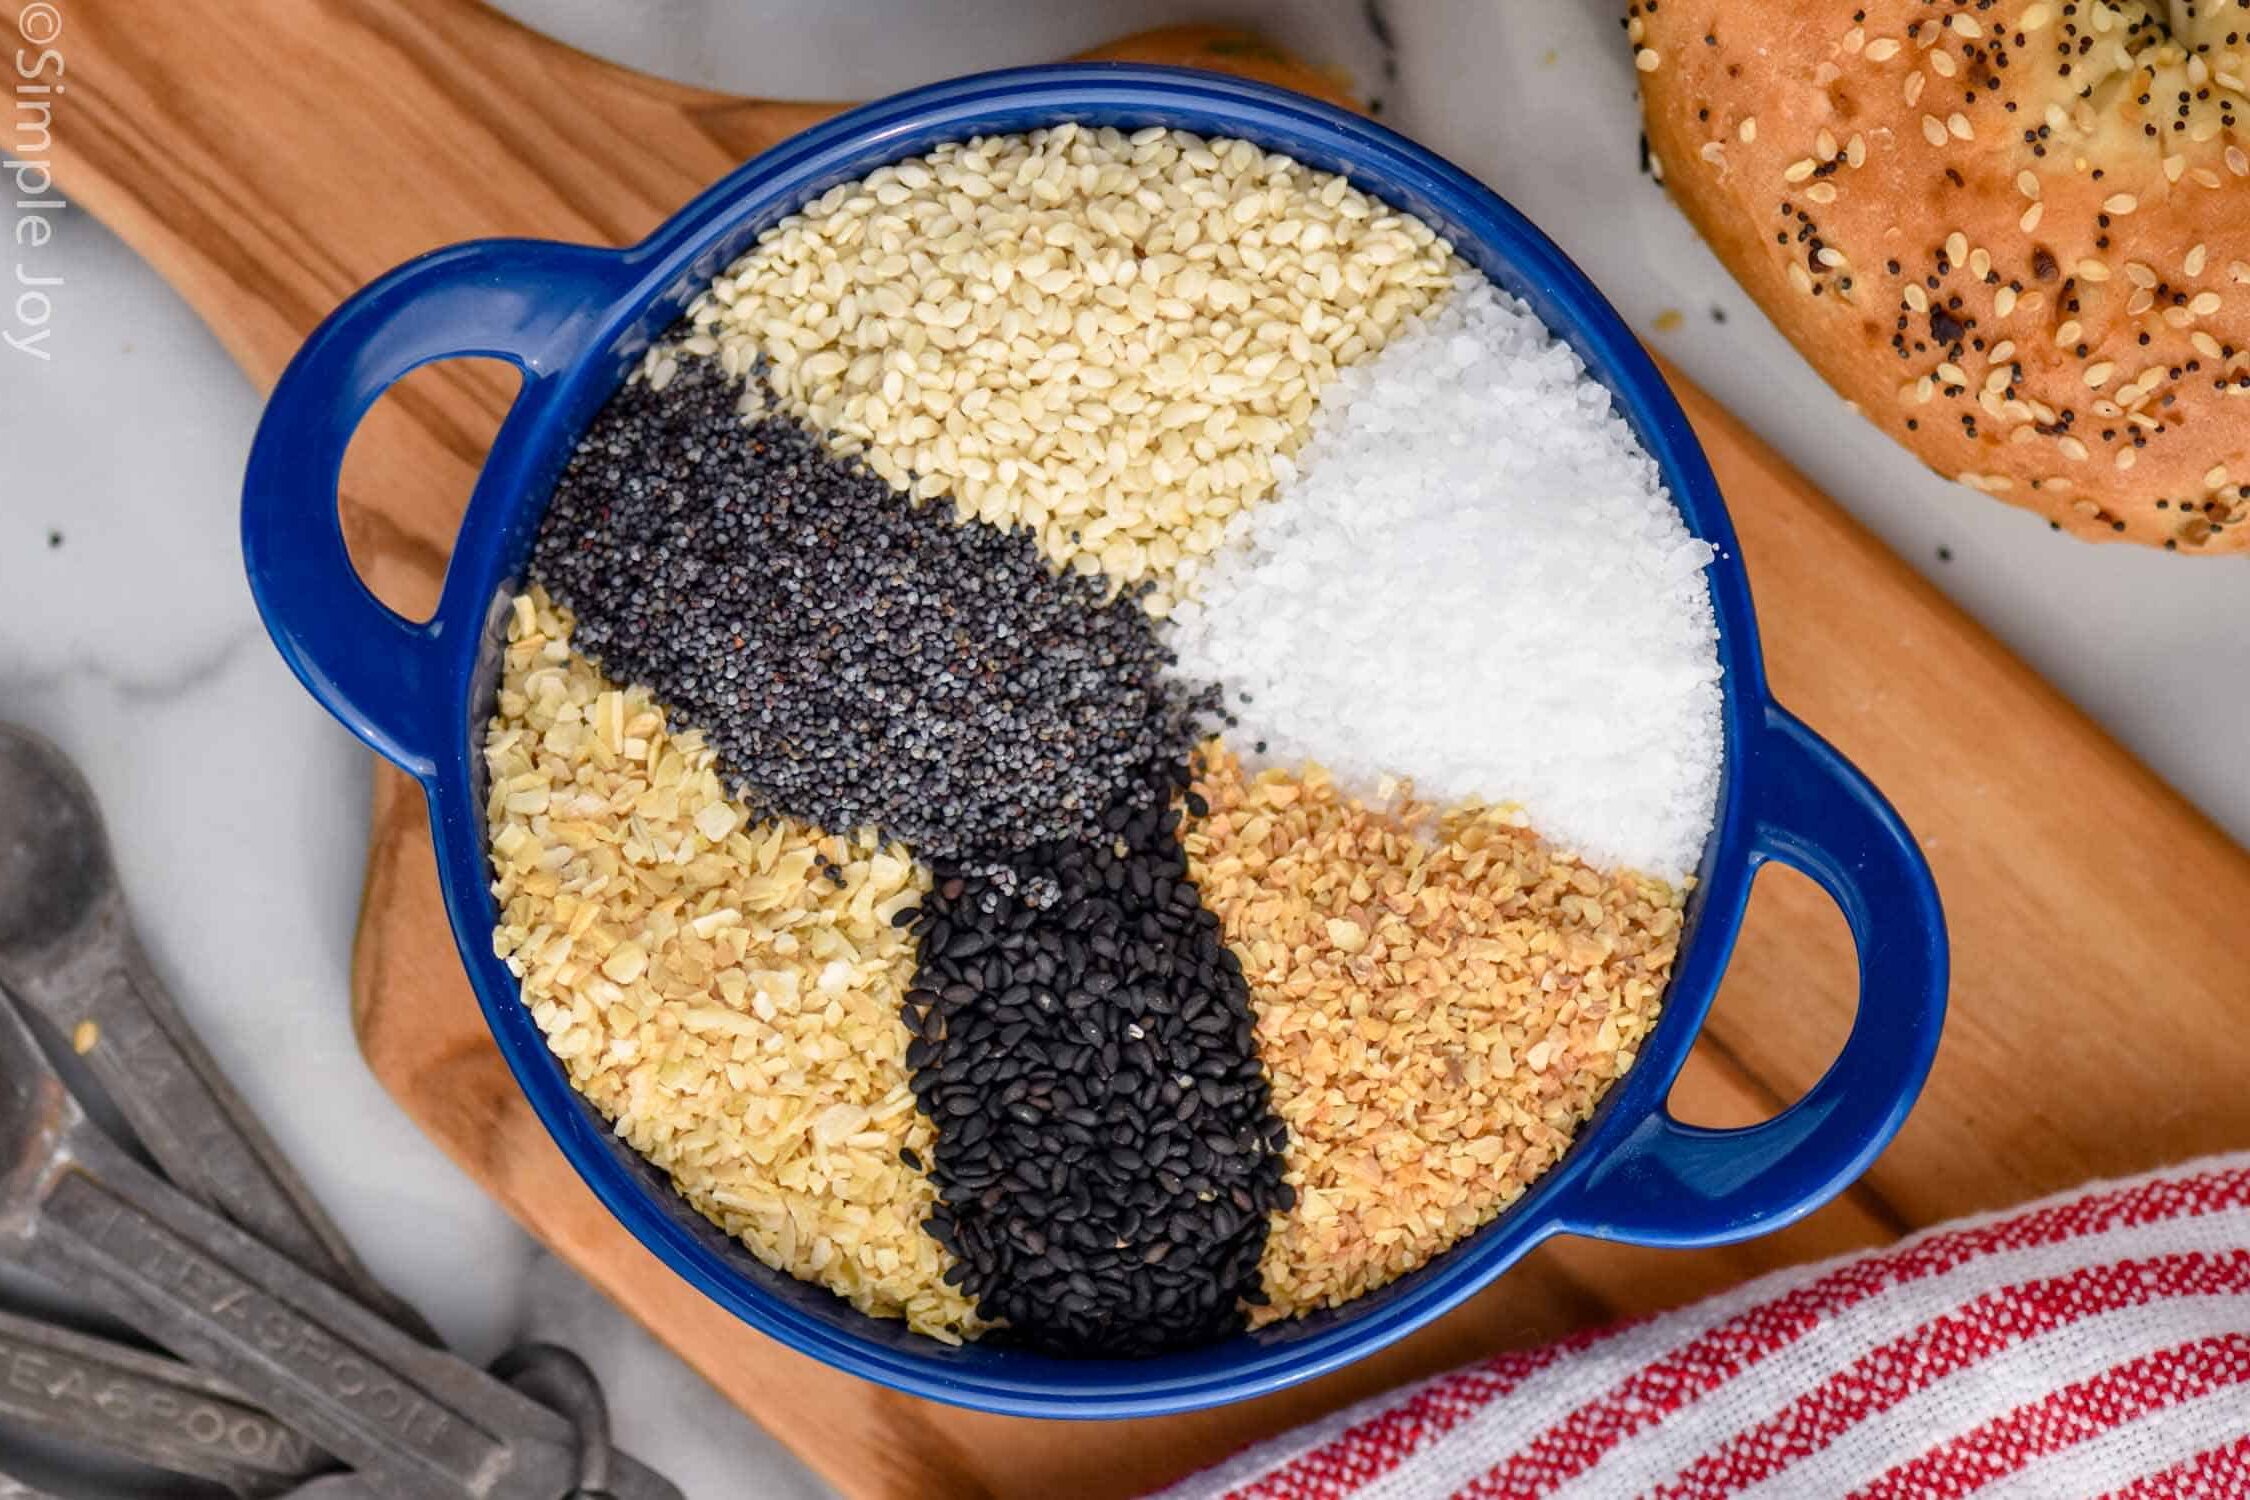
[855, 660]
[1106, 1156]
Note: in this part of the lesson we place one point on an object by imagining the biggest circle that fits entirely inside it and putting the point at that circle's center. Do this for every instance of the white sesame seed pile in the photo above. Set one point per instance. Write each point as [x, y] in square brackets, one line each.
[1472, 577]
[1104, 338]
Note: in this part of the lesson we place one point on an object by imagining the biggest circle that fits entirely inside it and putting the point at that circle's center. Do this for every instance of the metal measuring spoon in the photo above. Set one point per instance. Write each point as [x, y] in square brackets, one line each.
[12, 1488]
[67, 951]
[562, 1382]
[414, 1422]
[145, 1408]
[556, 1379]
[326, 1487]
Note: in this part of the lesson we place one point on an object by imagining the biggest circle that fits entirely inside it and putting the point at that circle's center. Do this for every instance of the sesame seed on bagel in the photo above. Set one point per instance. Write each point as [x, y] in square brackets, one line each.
[2014, 234]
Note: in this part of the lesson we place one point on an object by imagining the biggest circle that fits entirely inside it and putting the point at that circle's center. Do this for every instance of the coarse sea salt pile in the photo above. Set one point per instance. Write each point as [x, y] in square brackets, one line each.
[1471, 575]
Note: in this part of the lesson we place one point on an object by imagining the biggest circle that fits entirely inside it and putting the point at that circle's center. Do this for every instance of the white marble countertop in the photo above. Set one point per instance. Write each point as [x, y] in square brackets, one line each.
[238, 807]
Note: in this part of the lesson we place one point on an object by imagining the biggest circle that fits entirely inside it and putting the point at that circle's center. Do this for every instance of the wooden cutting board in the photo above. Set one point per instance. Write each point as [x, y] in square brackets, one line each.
[269, 156]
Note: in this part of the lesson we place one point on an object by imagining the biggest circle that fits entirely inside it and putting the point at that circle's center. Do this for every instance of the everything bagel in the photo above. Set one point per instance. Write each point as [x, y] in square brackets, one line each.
[2014, 234]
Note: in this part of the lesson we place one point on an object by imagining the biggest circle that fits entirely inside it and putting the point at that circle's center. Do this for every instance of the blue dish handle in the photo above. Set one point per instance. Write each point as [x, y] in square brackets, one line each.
[1685, 1185]
[532, 303]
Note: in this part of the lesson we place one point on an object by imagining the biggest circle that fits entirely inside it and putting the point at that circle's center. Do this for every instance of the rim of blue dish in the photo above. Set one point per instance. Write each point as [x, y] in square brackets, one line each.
[654, 281]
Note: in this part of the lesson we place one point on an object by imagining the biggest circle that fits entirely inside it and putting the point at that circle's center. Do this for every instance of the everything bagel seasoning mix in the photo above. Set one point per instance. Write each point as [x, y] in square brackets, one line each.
[1105, 745]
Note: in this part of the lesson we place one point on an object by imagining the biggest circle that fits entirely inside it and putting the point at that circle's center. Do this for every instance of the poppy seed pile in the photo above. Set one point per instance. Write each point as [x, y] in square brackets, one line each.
[855, 661]
[1103, 746]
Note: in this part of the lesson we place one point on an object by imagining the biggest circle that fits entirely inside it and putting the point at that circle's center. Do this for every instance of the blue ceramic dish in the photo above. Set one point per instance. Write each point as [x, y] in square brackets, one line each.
[575, 320]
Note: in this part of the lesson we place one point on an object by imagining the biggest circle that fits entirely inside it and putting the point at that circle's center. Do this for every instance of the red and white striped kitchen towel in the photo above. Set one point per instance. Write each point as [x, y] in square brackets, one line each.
[2096, 1343]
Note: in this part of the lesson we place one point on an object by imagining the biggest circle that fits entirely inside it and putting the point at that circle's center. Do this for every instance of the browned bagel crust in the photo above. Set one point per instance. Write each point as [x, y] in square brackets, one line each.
[2015, 234]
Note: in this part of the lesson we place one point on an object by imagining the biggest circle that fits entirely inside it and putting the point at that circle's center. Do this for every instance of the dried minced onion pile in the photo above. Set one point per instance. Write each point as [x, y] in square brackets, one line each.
[1105, 745]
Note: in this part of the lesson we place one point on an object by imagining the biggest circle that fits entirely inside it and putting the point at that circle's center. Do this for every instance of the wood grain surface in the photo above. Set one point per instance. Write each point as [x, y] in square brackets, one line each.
[270, 156]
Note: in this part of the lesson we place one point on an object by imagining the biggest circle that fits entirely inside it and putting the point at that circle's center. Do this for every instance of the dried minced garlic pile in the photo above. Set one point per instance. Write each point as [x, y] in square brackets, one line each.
[1442, 999]
[732, 1009]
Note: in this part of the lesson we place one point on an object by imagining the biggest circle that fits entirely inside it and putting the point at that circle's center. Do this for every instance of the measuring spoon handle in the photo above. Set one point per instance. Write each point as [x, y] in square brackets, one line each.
[416, 1423]
[103, 995]
[146, 1408]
